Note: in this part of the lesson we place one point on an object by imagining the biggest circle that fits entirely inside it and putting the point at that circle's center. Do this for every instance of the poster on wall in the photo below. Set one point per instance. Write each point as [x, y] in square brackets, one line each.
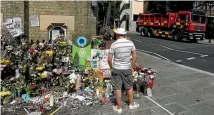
[104, 60]
[17, 24]
[13, 27]
[95, 63]
[34, 21]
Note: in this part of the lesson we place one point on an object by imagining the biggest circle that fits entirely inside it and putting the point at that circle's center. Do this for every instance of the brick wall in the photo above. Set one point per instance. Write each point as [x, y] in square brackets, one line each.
[85, 22]
[11, 9]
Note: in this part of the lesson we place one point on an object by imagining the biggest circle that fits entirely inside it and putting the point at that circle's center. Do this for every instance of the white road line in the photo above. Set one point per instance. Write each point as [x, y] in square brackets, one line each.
[178, 61]
[171, 48]
[204, 55]
[191, 58]
[159, 105]
[180, 65]
[154, 54]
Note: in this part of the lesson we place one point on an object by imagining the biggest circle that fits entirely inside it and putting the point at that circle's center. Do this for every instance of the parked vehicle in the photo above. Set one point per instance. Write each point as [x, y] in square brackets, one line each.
[183, 24]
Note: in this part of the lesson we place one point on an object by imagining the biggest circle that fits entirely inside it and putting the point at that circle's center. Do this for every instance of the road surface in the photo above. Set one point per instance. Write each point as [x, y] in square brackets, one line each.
[196, 55]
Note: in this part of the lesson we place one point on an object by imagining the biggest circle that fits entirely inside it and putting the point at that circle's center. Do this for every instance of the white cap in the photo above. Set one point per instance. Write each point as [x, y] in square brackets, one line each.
[121, 31]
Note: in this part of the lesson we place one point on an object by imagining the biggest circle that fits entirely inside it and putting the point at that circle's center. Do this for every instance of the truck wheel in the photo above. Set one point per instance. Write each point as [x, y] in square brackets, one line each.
[177, 36]
[194, 40]
[150, 33]
[142, 32]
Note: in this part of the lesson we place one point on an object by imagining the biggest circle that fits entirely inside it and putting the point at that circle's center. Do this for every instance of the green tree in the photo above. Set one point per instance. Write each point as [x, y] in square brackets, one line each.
[103, 8]
[173, 6]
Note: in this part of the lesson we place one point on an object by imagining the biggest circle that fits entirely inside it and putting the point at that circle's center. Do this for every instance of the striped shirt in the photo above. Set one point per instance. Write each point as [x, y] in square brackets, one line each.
[122, 52]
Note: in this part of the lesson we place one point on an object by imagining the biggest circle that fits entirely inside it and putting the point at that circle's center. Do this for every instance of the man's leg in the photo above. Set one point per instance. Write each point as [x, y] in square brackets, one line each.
[128, 83]
[130, 94]
[118, 99]
[117, 85]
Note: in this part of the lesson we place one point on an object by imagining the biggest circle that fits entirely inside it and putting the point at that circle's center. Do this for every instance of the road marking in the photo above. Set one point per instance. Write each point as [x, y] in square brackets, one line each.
[159, 105]
[180, 65]
[191, 58]
[204, 55]
[154, 54]
[178, 61]
[171, 48]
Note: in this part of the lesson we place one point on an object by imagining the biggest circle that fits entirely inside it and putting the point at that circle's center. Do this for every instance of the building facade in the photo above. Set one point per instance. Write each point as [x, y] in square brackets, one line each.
[129, 11]
[69, 18]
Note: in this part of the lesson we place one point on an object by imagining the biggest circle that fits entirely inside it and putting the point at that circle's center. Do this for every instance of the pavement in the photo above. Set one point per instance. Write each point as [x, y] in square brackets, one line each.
[197, 55]
[178, 90]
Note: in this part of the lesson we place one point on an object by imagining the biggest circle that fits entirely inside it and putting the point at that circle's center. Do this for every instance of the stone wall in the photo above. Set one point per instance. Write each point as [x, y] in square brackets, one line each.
[11, 9]
[85, 22]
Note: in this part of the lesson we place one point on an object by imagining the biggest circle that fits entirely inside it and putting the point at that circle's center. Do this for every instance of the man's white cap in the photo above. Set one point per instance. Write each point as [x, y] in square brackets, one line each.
[121, 31]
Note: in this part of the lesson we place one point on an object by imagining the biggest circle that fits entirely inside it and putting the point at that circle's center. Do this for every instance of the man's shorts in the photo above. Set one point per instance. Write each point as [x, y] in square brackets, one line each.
[121, 77]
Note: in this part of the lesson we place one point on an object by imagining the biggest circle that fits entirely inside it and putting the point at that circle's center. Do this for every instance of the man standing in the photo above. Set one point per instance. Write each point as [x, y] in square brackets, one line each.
[122, 65]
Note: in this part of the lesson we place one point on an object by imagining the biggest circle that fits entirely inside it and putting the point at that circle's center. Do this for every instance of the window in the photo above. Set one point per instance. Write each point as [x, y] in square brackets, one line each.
[198, 18]
[135, 17]
[55, 32]
[183, 17]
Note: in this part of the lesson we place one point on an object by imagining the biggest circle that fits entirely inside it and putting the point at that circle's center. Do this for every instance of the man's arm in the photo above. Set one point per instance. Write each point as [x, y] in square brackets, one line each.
[134, 58]
[110, 56]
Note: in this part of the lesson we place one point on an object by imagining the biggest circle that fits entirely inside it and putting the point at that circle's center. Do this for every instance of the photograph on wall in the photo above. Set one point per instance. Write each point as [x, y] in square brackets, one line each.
[17, 24]
[34, 20]
[10, 27]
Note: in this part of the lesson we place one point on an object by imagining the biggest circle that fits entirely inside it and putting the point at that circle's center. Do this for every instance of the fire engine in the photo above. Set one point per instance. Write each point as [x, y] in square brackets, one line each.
[177, 26]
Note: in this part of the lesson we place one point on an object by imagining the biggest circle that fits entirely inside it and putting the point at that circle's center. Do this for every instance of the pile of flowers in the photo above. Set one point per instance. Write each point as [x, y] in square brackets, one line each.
[144, 78]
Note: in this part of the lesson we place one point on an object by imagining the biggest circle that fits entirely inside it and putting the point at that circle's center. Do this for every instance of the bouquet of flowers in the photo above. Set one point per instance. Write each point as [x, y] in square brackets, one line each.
[144, 78]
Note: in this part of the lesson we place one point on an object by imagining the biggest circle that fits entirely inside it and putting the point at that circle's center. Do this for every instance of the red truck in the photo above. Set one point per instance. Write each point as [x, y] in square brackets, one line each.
[183, 24]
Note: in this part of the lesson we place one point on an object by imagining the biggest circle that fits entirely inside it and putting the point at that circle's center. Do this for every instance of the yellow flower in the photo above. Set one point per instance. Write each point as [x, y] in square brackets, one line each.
[44, 75]
[40, 68]
[3, 61]
[5, 93]
[49, 52]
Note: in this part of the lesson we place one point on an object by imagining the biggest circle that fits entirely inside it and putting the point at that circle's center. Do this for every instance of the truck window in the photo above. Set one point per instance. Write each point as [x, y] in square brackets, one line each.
[183, 17]
[198, 18]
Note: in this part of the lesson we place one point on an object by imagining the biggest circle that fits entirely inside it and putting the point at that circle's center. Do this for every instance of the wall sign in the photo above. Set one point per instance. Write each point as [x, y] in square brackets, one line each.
[34, 20]
[81, 41]
[82, 52]
[14, 26]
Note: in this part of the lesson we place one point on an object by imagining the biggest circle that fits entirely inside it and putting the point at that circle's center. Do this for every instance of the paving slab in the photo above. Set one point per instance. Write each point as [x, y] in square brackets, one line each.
[159, 82]
[187, 113]
[103, 111]
[149, 103]
[191, 76]
[145, 112]
[160, 111]
[200, 109]
[206, 95]
[177, 88]
[197, 84]
[125, 112]
[167, 99]
[209, 104]
[186, 99]
[159, 92]
[161, 101]
[210, 90]
[175, 108]
[142, 104]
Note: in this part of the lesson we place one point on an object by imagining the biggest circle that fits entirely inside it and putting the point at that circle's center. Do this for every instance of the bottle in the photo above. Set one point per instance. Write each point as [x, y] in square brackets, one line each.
[149, 92]
[51, 100]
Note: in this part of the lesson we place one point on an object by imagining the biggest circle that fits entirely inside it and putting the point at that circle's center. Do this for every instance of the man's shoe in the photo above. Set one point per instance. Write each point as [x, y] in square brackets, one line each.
[134, 106]
[119, 111]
